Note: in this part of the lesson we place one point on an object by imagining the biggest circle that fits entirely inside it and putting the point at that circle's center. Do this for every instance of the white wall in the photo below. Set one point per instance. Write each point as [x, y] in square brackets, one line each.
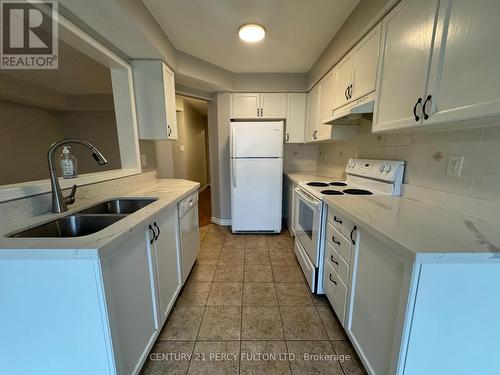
[426, 154]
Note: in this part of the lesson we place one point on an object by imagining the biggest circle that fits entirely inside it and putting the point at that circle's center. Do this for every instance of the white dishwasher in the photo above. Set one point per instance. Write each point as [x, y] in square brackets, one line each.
[188, 223]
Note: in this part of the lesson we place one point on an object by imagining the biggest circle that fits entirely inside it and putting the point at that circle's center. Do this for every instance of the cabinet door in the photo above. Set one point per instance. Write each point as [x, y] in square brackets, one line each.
[327, 96]
[343, 80]
[168, 264]
[245, 105]
[273, 105]
[128, 276]
[407, 34]
[465, 82]
[366, 55]
[312, 114]
[296, 118]
[375, 324]
[171, 115]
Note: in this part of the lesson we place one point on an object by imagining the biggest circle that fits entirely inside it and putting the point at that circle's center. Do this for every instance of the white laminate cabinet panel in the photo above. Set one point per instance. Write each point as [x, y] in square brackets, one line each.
[312, 114]
[341, 223]
[337, 263]
[273, 105]
[296, 118]
[169, 87]
[366, 56]
[168, 270]
[343, 80]
[407, 34]
[464, 82]
[335, 291]
[245, 105]
[339, 242]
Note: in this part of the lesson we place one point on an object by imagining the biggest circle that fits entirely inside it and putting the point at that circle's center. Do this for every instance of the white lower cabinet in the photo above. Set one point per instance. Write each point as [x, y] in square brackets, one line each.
[129, 288]
[167, 265]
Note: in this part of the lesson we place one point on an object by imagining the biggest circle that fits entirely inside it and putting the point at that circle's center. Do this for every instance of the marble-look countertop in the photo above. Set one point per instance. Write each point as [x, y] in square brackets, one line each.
[298, 177]
[421, 230]
[168, 192]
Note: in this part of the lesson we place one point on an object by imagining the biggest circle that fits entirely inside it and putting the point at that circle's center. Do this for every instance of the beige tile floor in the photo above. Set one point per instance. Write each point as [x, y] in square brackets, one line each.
[246, 309]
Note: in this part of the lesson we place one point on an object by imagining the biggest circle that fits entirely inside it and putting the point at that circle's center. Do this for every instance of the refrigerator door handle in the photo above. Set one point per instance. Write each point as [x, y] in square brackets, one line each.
[233, 167]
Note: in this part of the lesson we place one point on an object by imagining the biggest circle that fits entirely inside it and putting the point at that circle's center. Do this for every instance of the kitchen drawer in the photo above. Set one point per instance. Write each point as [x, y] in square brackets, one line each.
[338, 263]
[307, 266]
[335, 291]
[341, 244]
[340, 222]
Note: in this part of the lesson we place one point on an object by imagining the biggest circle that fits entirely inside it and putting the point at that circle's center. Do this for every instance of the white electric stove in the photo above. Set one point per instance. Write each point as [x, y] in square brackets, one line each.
[365, 177]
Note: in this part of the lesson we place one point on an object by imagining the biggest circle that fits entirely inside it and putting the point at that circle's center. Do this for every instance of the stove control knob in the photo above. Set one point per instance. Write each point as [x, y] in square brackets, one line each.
[387, 169]
[351, 165]
[381, 168]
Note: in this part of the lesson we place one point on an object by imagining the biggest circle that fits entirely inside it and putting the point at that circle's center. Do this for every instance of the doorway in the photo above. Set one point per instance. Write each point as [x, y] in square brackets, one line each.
[190, 150]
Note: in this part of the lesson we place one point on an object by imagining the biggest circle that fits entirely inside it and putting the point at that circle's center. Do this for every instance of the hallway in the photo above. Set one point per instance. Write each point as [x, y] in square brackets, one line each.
[204, 207]
[246, 309]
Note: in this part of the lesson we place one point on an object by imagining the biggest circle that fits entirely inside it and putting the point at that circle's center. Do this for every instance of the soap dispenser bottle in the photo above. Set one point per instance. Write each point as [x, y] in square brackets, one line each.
[67, 161]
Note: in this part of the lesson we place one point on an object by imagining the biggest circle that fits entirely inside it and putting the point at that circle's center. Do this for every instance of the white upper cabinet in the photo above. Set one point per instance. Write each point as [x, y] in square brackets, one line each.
[154, 88]
[273, 105]
[464, 81]
[312, 115]
[295, 118]
[256, 105]
[366, 55]
[407, 34]
[343, 80]
[327, 96]
[245, 105]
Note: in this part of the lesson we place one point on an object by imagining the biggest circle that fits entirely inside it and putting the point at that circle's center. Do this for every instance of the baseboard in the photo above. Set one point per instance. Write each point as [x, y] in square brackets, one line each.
[218, 221]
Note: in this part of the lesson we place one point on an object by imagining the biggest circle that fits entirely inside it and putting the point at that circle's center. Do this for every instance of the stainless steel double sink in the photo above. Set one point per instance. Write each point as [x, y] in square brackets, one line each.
[89, 220]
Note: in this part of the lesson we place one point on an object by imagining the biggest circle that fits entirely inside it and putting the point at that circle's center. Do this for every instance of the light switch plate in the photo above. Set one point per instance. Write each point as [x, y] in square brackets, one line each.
[182, 148]
[455, 166]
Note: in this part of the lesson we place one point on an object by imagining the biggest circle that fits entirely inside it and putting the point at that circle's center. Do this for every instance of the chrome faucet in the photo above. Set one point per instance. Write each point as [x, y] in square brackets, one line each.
[59, 202]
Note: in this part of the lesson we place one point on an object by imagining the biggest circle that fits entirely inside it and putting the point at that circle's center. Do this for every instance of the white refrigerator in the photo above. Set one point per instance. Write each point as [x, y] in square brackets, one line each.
[256, 161]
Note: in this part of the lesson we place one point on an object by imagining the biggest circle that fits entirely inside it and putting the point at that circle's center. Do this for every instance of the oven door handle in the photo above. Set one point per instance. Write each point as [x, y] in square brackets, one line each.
[303, 196]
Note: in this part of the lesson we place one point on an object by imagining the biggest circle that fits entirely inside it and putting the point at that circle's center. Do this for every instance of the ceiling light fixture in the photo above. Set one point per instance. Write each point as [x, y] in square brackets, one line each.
[251, 32]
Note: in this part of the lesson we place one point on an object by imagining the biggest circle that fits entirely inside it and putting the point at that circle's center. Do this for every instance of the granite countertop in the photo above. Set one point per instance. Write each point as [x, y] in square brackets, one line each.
[421, 230]
[168, 192]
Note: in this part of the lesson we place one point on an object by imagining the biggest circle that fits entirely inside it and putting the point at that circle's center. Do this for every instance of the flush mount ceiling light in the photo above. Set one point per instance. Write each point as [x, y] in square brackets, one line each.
[251, 32]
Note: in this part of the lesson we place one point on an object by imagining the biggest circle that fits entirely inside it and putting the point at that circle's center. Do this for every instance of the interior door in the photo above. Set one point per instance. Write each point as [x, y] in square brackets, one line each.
[407, 34]
[343, 80]
[256, 188]
[366, 55]
[273, 105]
[168, 263]
[465, 82]
[245, 105]
[256, 139]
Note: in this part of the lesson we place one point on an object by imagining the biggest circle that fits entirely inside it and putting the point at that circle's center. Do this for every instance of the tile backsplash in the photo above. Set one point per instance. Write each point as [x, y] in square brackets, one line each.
[426, 154]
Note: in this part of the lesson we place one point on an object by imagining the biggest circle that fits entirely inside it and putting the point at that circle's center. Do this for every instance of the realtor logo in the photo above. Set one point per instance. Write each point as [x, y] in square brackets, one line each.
[29, 34]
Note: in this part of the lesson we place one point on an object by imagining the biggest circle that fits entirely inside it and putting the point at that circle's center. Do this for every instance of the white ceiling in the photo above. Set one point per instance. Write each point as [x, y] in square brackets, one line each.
[297, 31]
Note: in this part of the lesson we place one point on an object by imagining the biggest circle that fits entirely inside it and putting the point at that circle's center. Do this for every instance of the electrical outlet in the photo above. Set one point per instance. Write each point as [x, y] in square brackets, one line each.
[455, 166]
[144, 161]
[181, 148]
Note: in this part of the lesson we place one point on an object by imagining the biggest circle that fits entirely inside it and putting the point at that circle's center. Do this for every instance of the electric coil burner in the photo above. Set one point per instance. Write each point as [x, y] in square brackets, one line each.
[357, 192]
[338, 183]
[318, 184]
[331, 192]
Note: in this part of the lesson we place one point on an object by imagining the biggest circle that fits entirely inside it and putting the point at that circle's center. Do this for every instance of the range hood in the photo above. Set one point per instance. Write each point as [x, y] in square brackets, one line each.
[351, 113]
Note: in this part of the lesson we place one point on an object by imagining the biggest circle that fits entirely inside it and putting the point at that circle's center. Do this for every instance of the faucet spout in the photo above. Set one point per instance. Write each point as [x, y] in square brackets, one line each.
[59, 202]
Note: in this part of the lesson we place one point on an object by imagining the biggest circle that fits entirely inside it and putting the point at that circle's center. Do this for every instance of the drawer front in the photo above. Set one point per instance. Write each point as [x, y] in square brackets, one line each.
[340, 222]
[307, 266]
[341, 244]
[338, 264]
[335, 291]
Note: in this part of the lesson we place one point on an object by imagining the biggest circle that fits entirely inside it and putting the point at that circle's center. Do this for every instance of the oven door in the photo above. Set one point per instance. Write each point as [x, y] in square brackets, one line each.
[307, 218]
